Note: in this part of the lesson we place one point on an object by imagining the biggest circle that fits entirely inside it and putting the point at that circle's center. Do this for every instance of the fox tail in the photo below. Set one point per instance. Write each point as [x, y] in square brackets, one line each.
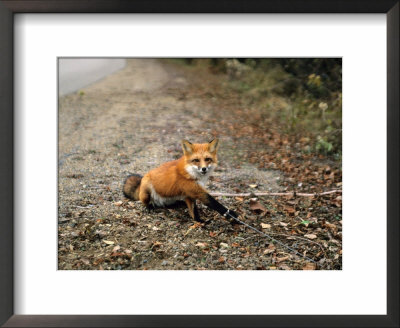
[131, 186]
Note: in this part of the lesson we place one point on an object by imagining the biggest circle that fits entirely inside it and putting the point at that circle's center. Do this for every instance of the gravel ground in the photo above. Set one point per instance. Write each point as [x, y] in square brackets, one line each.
[130, 122]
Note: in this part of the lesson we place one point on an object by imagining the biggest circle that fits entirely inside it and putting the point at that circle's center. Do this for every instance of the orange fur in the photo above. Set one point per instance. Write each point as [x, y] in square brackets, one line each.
[182, 179]
[171, 178]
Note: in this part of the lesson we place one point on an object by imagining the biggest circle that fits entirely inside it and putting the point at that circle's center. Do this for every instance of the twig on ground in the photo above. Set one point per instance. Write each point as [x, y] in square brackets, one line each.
[290, 236]
[77, 206]
[248, 194]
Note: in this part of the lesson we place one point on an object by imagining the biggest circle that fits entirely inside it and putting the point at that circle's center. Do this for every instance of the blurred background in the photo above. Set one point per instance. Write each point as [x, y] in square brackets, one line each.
[76, 73]
[311, 90]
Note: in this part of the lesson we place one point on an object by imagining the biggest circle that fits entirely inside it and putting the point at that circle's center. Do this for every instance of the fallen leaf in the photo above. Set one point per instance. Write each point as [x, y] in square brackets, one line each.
[116, 248]
[265, 226]
[201, 245]
[194, 226]
[240, 199]
[283, 224]
[270, 249]
[117, 254]
[290, 210]
[281, 259]
[310, 236]
[108, 242]
[156, 244]
[98, 261]
[285, 267]
[85, 261]
[118, 203]
[330, 226]
[309, 266]
[256, 206]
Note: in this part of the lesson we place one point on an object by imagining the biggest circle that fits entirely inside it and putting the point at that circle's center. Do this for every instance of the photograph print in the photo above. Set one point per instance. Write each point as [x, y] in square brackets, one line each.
[199, 163]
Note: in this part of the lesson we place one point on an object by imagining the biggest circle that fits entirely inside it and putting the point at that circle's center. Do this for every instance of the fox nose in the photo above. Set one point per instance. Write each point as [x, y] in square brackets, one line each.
[203, 169]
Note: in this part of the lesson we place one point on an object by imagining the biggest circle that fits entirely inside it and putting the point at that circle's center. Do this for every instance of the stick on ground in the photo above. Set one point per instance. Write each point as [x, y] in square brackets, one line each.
[248, 194]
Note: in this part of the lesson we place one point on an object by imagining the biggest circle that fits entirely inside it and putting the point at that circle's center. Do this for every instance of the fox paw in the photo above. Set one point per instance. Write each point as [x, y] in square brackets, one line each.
[197, 219]
[149, 208]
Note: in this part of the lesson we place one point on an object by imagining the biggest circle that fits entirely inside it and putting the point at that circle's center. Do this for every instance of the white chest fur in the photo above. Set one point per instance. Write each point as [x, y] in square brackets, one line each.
[195, 173]
[203, 181]
[158, 200]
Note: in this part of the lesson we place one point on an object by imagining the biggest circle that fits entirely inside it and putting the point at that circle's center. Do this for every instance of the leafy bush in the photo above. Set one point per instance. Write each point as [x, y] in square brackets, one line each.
[311, 88]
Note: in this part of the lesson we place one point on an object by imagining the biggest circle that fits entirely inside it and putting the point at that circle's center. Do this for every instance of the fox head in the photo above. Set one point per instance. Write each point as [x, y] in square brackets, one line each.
[201, 159]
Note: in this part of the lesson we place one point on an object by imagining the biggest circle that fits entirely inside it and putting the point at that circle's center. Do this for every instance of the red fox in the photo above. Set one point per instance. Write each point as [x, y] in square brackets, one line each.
[182, 179]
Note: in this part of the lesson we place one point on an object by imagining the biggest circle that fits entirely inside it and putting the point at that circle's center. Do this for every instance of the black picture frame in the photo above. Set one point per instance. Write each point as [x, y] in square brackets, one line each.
[8, 201]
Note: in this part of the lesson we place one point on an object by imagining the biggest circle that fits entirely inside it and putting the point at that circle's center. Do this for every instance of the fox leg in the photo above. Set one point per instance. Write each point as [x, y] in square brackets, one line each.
[194, 213]
[212, 203]
[208, 200]
[144, 195]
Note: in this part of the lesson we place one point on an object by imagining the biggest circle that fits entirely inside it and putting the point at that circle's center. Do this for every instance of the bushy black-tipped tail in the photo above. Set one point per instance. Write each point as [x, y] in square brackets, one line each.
[131, 186]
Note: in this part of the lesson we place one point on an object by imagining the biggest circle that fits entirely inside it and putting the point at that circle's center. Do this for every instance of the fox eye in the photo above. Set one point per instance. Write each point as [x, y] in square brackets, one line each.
[208, 159]
[196, 160]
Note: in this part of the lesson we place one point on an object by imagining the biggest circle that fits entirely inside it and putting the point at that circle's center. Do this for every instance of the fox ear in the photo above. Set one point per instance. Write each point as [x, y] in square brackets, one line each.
[187, 147]
[213, 145]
